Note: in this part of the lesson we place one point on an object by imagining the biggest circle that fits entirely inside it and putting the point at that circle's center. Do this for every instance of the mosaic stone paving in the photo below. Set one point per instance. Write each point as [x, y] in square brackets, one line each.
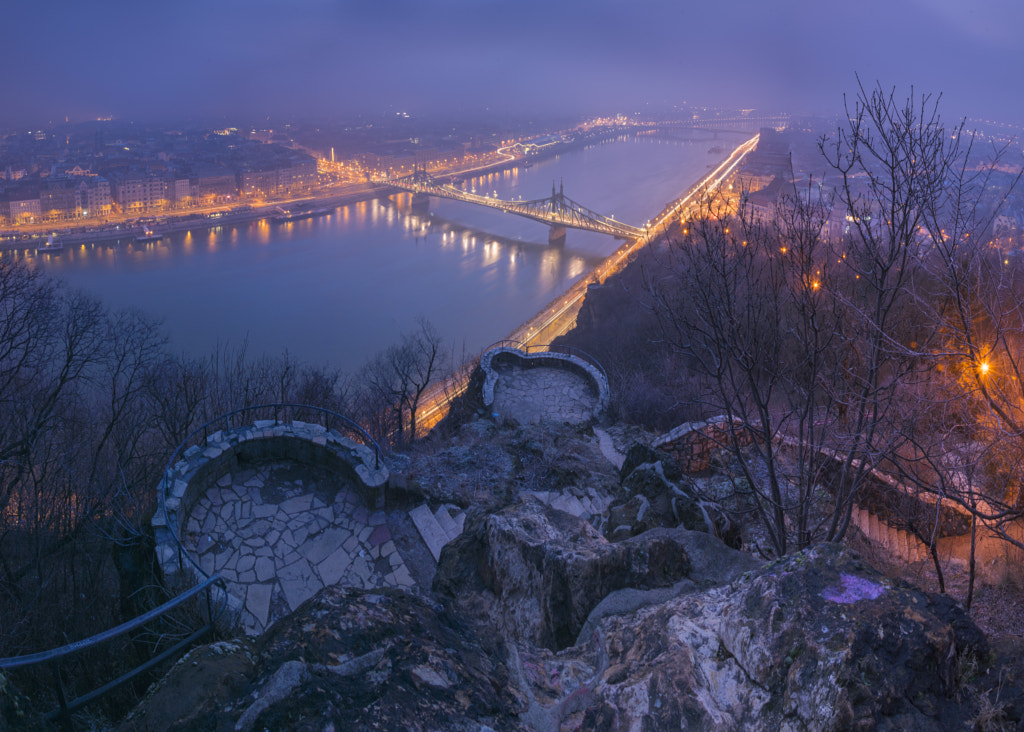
[278, 533]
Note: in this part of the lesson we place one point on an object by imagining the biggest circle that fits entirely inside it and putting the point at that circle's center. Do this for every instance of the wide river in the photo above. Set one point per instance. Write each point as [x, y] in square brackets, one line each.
[338, 288]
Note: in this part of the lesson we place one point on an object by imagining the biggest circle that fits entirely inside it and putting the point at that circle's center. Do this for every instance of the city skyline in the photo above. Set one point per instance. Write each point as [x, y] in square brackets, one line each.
[324, 58]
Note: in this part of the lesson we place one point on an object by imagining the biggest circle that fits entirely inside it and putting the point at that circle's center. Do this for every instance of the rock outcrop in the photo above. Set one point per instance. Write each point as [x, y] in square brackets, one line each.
[538, 622]
[536, 572]
[816, 641]
[347, 659]
[655, 494]
[486, 467]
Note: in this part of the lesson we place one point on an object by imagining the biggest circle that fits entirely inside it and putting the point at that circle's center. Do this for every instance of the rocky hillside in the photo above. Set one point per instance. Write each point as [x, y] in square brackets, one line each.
[539, 619]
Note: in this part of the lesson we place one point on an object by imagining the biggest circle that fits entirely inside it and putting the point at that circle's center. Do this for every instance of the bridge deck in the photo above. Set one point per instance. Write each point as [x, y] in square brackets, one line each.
[558, 210]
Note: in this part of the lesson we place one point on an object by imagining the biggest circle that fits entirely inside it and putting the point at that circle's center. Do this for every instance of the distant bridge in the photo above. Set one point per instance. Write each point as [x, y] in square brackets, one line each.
[559, 211]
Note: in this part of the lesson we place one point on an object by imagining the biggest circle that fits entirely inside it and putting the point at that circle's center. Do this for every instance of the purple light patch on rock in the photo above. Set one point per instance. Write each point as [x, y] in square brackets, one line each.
[853, 589]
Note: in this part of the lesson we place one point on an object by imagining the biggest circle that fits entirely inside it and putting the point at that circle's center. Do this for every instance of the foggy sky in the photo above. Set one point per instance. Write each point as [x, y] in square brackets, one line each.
[143, 59]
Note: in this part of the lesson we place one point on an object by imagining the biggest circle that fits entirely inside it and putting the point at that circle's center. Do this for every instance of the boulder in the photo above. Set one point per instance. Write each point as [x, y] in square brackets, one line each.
[486, 466]
[536, 572]
[351, 659]
[815, 641]
[653, 500]
[640, 454]
[712, 563]
[194, 690]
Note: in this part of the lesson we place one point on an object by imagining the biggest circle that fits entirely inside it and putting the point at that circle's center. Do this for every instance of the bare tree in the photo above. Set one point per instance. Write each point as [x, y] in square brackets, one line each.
[890, 157]
[916, 193]
[753, 306]
[396, 379]
[177, 389]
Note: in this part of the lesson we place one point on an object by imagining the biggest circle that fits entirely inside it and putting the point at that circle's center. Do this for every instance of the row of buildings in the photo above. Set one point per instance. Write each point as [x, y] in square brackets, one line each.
[94, 173]
[63, 197]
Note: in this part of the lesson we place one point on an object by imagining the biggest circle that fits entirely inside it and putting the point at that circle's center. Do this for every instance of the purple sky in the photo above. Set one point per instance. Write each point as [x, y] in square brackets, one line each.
[147, 59]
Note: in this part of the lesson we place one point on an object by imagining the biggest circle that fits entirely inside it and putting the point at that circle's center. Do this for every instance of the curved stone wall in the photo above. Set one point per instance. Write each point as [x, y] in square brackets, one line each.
[496, 357]
[265, 440]
[691, 444]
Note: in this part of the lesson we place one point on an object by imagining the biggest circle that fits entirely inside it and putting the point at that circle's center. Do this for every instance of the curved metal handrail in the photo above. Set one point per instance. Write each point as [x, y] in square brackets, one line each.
[550, 348]
[54, 655]
[77, 646]
[225, 418]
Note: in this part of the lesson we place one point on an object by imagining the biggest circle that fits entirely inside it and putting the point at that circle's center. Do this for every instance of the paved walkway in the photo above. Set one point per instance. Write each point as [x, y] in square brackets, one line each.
[280, 532]
[540, 394]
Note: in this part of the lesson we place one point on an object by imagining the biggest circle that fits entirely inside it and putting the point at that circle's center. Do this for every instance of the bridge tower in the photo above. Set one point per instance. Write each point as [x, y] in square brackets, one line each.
[556, 234]
[420, 199]
[420, 203]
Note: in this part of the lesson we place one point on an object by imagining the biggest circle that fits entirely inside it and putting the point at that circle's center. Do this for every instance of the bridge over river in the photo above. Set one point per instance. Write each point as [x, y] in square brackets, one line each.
[559, 211]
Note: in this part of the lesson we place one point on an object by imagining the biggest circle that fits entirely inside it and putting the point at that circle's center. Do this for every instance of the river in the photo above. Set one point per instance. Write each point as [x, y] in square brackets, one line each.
[335, 289]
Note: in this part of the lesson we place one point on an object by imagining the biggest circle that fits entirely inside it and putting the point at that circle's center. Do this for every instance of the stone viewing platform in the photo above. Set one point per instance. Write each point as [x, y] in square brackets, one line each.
[543, 385]
[279, 511]
[280, 533]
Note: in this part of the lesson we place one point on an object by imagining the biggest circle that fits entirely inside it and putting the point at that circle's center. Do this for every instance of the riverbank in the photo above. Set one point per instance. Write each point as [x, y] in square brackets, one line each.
[130, 230]
[362, 273]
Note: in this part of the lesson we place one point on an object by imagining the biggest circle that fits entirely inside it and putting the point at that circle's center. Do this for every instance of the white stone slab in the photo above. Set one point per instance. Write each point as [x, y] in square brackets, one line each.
[264, 569]
[448, 525]
[431, 531]
[298, 582]
[333, 567]
[320, 547]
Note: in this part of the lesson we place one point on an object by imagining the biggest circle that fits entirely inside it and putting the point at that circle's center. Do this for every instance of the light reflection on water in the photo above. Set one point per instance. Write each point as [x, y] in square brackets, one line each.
[337, 288]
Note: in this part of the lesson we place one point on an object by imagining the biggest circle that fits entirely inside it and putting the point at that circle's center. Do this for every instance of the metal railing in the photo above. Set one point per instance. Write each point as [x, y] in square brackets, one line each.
[551, 348]
[53, 657]
[280, 413]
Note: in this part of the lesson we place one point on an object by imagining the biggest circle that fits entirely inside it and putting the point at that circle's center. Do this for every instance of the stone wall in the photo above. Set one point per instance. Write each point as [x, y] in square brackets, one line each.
[263, 441]
[547, 359]
[692, 444]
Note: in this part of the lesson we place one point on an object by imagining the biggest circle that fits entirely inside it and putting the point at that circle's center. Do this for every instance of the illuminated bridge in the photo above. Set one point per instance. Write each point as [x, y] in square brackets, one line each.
[559, 211]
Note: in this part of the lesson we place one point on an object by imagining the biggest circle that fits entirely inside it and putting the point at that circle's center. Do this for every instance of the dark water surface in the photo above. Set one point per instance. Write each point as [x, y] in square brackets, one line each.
[336, 289]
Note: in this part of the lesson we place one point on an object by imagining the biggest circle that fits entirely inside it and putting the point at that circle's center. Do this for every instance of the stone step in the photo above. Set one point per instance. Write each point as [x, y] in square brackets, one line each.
[433, 535]
[873, 529]
[903, 543]
[891, 539]
[918, 549]
[860, 519]
[913, 548]
[883, 534]
[899, 544]
[460, 521]
[447, 523]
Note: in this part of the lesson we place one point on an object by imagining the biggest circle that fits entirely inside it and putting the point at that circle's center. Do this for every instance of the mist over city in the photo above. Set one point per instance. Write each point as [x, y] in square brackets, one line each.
[532, 366]
[326, 59]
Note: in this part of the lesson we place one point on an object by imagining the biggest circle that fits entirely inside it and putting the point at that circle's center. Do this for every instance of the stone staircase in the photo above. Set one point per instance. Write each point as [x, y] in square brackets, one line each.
[897, 542]
[437, 528]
